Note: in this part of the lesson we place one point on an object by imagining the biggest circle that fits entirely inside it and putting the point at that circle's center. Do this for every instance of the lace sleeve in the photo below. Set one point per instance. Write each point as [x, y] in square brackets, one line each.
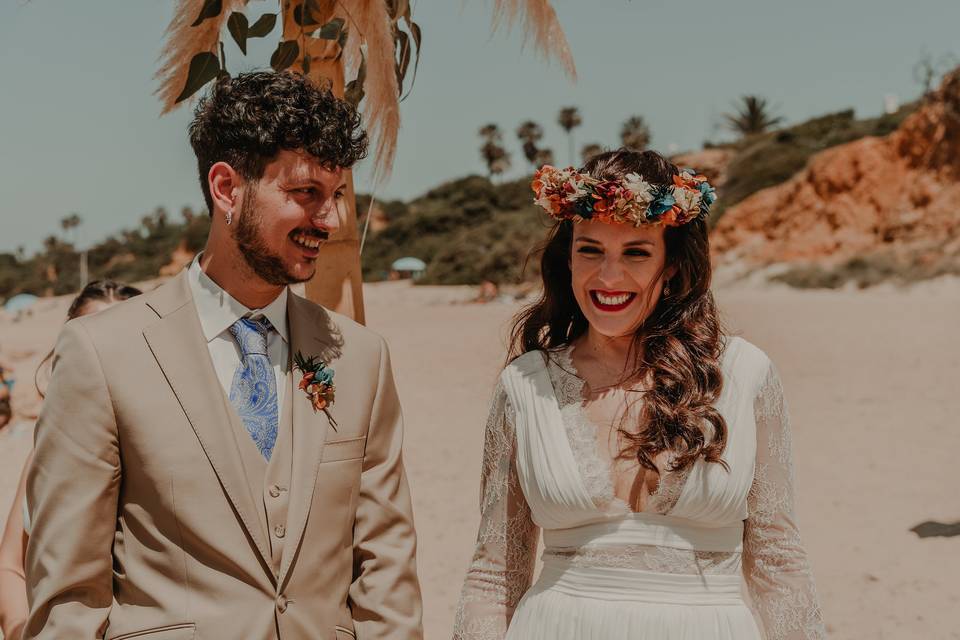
[503, 562]
[775, 563]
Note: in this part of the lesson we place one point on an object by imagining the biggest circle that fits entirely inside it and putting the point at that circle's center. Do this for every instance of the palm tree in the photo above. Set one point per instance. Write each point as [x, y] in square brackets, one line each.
[375, 40]
[590, 150]
[493, 153]
[490, 133]
[752, 116]
[569, 118]
[68, 224]
[544, 156]
[635, 134]
[530, 133]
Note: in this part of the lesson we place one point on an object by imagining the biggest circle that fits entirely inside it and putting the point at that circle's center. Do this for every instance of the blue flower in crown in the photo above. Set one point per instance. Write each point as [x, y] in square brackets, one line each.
[707, 193]
[584, 208]
[663, 201]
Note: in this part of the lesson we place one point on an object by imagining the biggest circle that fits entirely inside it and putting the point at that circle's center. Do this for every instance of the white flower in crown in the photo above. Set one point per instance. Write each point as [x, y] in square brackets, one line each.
[639, 187]
[688, 200]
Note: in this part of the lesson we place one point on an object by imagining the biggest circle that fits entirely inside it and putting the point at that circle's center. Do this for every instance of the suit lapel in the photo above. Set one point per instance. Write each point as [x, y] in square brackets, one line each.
[312, 334]
[180, 349]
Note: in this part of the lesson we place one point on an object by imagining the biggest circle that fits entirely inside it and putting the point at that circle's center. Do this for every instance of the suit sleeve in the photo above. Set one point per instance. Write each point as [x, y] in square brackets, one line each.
[385, 594]
[72, 493]
[13, 594]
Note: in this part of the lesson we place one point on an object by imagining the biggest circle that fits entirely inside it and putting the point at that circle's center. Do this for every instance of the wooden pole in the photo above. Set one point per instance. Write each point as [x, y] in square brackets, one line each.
[338, 282]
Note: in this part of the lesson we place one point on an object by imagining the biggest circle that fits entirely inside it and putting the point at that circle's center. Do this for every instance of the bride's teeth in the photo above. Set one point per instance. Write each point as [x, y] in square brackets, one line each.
[613, 300]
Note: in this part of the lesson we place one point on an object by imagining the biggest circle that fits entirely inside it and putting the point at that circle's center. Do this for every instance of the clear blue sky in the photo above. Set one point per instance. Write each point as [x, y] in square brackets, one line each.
[80, 129]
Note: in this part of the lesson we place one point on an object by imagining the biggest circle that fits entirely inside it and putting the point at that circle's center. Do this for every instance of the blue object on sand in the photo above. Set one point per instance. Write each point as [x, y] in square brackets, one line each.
[409, 264]
[20, 302]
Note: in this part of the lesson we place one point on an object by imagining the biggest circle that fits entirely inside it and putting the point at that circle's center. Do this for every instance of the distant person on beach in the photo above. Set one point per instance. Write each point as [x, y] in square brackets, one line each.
[651, 449]
[6, 410]
[94, 297]
[221, 458]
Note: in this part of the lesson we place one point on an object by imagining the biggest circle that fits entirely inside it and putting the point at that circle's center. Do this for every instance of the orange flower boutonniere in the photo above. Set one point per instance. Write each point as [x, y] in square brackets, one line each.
[317, 382]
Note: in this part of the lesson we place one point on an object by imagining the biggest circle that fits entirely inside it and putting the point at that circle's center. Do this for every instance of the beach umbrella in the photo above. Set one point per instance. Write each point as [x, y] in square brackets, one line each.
[19, 302]
[409, 264]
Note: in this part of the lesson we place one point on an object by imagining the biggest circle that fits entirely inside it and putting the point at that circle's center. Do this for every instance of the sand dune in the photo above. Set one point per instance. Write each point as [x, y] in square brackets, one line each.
[872, 380]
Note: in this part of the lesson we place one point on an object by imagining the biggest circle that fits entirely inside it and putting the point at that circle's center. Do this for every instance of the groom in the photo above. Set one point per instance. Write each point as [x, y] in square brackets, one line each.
[190, 479]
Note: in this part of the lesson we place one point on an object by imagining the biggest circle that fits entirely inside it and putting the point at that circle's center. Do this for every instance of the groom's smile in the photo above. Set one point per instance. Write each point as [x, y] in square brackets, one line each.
[288, 215]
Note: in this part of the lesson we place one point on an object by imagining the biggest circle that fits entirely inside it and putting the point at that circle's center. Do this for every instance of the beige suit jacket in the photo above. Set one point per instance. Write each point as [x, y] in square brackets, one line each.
[145, 524]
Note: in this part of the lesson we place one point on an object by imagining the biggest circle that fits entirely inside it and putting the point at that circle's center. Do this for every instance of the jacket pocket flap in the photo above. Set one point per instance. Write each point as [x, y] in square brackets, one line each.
[183, 631]
[348, 449]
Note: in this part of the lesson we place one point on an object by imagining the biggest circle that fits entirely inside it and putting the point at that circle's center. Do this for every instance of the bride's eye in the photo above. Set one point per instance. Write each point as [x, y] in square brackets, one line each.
[589, 250]
[637, 253]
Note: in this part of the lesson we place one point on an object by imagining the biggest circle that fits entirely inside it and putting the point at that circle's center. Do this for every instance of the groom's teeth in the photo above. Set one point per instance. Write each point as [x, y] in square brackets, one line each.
[306, 241]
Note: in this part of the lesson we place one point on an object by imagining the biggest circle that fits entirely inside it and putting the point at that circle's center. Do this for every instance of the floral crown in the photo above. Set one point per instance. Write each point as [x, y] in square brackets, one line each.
[567, 194]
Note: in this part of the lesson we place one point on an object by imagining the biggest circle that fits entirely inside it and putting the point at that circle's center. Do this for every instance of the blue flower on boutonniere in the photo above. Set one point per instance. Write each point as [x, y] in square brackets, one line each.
[663, 201]
[317, 382]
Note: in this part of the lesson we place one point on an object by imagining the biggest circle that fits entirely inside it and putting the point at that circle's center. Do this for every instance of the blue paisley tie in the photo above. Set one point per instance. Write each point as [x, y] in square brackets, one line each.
[254, 390]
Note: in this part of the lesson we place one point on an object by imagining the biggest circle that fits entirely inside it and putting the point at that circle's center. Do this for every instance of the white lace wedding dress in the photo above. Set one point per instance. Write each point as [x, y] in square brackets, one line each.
[672, 572]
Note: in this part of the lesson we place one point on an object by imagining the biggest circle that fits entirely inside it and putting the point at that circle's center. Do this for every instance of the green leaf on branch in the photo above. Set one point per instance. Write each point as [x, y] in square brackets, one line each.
[238, 27]
[285, 55]
[303, 14]
[417, 36]
[331, 30]
[210, 9]
[353, 92]
[263, 26]
[398, 9]
[204, 67]
[402, 44]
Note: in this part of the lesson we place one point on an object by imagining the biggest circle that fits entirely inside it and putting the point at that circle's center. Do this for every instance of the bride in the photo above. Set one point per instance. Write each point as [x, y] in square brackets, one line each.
[652, 450]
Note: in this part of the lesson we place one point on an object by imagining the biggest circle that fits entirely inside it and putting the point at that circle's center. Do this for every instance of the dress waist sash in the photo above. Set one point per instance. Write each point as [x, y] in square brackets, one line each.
[648, 529]
[633, 585]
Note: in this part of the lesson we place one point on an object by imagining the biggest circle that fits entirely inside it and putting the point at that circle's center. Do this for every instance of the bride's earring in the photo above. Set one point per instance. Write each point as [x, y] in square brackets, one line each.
[666, 290]
[229, 216]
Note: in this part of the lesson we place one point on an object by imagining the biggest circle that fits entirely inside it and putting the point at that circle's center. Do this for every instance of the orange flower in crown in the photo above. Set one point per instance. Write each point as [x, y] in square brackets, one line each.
[566, 194]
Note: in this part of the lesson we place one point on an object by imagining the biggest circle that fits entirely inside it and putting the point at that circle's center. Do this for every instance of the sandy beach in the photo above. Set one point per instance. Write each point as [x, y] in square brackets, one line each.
[871, 378]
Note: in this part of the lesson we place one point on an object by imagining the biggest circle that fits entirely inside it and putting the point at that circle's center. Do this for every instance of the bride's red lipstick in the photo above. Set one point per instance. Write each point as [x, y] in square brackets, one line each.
[612, 308]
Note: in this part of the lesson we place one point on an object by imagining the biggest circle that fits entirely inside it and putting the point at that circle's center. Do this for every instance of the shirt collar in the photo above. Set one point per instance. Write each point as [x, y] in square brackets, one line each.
[218, 310]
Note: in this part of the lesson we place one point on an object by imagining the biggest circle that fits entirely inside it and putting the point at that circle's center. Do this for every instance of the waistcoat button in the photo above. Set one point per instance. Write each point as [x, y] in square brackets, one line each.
[281, 603]
[280, 530]
[274, 491]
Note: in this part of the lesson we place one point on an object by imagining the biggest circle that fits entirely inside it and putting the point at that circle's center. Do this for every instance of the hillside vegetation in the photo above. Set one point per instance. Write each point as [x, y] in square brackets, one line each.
[466, 230]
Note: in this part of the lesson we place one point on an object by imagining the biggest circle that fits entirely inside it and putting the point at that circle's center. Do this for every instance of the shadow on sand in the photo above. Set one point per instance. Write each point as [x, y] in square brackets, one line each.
[931, 529]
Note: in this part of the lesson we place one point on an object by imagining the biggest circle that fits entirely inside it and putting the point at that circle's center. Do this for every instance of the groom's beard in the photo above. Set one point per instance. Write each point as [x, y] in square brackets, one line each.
[266, 265]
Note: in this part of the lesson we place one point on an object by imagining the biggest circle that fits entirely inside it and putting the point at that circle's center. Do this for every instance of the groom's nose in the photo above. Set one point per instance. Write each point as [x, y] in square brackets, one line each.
[327, 217]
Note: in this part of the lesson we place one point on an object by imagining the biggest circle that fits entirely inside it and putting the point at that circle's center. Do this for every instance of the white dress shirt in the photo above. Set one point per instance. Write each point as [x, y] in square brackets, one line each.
[218, 310]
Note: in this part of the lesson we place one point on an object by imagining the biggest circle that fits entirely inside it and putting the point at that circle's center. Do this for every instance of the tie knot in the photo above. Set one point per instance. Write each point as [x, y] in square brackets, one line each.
[251, 335]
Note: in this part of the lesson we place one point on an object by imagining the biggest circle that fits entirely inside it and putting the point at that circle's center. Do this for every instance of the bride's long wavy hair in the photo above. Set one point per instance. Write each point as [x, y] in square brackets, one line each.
[677, 349]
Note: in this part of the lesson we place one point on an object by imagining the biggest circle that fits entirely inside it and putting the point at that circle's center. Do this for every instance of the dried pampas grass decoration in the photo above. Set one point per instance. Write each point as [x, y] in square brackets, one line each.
[185, 41]
[539, 22]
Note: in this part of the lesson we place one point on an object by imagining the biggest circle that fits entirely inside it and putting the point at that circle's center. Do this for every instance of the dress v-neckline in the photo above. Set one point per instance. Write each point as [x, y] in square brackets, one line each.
[595, 470]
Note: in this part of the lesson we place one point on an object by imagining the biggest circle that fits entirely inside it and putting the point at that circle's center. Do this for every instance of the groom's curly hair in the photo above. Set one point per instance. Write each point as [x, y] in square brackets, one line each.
[246, 120]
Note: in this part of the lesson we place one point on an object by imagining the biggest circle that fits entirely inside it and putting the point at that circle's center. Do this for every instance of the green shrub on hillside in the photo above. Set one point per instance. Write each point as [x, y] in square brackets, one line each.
[466, 230]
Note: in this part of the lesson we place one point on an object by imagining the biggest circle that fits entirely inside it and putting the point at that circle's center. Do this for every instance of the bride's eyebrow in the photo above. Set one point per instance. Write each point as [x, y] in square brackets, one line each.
[586, 239]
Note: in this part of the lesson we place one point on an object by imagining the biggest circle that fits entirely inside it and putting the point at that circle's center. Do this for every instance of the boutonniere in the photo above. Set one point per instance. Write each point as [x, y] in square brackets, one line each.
[317, 382]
